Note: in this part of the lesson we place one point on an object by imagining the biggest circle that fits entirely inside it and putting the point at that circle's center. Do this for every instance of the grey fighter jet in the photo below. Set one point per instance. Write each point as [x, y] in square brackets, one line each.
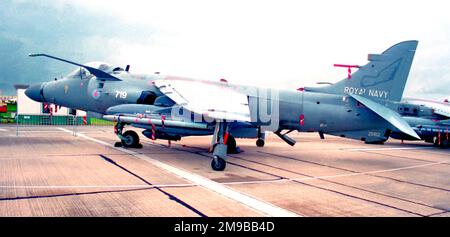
[430, 119]
[360, 107]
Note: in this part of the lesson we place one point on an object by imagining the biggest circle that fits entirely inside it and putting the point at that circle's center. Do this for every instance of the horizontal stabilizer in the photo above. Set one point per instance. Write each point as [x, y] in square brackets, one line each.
[101, 75]
[155, 121]
[389, 115]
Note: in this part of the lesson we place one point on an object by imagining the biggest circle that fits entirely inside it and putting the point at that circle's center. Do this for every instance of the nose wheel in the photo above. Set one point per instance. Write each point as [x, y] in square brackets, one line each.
[218, 164]
[130, 139]
[127, 139]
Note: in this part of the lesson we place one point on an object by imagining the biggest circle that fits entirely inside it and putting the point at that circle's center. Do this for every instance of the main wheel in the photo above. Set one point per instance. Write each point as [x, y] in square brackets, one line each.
[131, 139]
[218, 164]
[231, 145]
[260, 142]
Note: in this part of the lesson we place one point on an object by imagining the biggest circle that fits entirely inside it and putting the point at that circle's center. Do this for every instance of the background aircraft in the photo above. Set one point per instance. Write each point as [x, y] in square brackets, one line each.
[430, 119]
[167, 107]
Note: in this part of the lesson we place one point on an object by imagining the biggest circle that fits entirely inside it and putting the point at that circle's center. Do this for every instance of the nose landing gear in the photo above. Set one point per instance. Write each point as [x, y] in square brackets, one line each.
[127, 139]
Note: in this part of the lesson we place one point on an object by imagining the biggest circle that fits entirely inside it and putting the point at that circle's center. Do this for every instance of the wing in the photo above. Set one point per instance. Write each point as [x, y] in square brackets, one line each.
[217, 101]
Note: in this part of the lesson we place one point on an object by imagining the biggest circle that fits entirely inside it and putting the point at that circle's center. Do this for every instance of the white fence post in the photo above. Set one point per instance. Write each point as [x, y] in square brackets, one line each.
[17, 125]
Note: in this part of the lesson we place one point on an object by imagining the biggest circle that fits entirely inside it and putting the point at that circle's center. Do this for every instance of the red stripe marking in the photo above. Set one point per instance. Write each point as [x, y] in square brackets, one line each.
[346, 65]
[153, 132]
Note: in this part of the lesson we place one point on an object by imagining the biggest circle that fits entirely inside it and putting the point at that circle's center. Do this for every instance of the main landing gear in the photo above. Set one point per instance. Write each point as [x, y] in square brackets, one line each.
[127, 139]
[222, 143]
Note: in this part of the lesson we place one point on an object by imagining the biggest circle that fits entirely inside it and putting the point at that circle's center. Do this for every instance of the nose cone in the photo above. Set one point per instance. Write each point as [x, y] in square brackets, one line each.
[34, 92]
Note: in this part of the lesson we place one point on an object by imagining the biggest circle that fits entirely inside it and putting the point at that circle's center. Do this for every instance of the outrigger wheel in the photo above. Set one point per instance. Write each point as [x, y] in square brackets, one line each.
[260, 142]
[218, 164]
[131, 139]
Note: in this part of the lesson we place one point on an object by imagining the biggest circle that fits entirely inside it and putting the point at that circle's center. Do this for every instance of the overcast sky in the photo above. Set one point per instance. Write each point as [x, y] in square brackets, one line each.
[285, 44]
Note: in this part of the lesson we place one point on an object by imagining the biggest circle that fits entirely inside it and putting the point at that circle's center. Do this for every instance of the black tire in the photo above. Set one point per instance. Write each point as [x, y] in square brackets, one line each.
[231, 145]
[131, 139]
[260, 142]
[218, 164]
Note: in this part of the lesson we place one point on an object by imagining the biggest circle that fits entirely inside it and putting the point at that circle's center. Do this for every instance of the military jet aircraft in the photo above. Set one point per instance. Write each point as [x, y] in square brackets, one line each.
[168, 107]
[430, 119]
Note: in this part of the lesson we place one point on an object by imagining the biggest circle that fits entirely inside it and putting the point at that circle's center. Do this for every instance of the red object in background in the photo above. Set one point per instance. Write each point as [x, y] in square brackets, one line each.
[223, 80]
[84, 120]
[439, 137]
[446, 100]
[301, 89]
[349, 68]
[3, 109]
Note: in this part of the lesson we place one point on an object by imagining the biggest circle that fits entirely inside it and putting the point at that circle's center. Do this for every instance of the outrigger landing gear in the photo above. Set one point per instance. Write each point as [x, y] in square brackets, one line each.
[220, 146]
[127, 139]
[260, 142]
[261, 136]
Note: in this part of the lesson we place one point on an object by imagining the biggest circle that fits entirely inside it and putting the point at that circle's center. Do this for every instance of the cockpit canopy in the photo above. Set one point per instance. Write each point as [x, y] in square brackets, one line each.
[82, 73]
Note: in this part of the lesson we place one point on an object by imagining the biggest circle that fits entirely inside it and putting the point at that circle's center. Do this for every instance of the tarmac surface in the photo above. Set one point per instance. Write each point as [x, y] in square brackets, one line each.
[47, 171]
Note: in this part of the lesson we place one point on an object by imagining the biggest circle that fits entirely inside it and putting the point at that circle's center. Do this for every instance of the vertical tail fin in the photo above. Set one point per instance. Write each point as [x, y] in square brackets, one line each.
[383, 78]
